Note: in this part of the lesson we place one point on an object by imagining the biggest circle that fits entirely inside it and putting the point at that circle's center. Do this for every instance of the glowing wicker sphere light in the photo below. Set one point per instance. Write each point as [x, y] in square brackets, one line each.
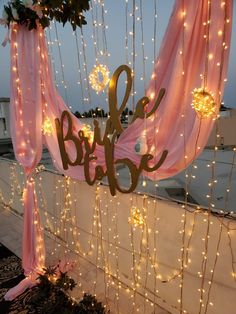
[136, 218]
[99, 77]
[47, 127]
[88, 132]
[204, 103]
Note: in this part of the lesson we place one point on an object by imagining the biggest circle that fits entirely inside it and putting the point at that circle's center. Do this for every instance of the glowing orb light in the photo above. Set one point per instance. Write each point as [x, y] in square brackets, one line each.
[47, 127]
[136, 217]
[99, 77]
[204, 103]
[88, 132]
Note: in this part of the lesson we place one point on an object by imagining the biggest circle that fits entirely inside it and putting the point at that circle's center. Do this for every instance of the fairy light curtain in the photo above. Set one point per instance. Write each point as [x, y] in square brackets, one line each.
[194, 54]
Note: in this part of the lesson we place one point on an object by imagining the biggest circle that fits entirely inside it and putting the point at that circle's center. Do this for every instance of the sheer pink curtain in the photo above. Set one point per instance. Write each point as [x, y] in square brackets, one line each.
[26, 124]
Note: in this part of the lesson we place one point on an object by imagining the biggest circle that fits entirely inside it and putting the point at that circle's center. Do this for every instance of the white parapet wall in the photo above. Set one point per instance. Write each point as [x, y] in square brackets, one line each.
[149, 257]
[226, 128]
[5, 118]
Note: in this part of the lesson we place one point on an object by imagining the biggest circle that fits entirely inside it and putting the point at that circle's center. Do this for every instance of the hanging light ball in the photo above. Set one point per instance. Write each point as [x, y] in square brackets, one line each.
[99, 77]
[204, 103]
[47, 127]
[136, 218]
[88, 132]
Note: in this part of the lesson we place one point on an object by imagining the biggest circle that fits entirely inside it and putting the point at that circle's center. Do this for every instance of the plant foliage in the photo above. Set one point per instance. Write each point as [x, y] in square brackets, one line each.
[41, 12]
[51, 296]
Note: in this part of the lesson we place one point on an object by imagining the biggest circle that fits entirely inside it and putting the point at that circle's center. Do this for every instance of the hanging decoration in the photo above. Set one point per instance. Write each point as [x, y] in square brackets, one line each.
[136, 218]
[99, 77]
[204, 103]
[42, 12]
[87, 132]
[47, 127]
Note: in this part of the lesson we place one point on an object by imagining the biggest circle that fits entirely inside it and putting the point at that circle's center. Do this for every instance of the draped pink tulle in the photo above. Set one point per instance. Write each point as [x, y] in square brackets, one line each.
[175, 126]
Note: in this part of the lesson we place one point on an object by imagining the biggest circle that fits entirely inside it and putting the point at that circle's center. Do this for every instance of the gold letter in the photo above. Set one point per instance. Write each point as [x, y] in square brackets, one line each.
[68, 137]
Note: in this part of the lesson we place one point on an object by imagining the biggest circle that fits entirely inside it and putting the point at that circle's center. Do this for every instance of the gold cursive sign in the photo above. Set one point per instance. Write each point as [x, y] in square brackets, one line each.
[85, 149]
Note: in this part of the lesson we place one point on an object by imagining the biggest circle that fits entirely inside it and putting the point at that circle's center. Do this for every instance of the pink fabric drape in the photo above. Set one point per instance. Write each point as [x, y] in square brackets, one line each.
[176, 126]
[26, 123]
[35, 98]
[33, 244]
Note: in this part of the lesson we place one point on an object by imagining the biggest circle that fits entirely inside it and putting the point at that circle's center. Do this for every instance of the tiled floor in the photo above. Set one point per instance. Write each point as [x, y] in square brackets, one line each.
[11, 237]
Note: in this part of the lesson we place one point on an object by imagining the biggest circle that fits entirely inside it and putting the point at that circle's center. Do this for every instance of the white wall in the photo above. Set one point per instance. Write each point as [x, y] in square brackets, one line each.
[165, 218]
[226, 128]
[4, 118]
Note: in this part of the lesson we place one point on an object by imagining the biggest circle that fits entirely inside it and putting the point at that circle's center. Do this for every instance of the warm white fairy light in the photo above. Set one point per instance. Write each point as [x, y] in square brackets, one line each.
[136, 218]
[85, 68]
[79, 61]
[88, 132]
[50, 43]
[63, 81]
[47, 127]
[104, 212]
[204, 103]
[99, 77]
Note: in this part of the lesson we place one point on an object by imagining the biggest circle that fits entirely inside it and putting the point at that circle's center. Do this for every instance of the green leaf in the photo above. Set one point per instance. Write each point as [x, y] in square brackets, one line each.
[62, 11]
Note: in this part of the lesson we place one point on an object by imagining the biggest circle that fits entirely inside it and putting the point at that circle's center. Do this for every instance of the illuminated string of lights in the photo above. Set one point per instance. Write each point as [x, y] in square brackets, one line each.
[117, 242]
[67, 228]
[154, 39]
[51, 55]
[220, 235]
[126, 32]
[155, 235]
[94, 33]
[133, 53]
[104, 32]
[106, 216]
[67, 221]
[134, 283]
[61, 63]
[80, 81]
[13, 184]
[154, 265]
[213, 180]
[228, 189]
[143, 77]
[99, 76]
[97, 26]
[86, 78]
[101, 249]
[233, 260]
[184, 206]
[71, 246]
